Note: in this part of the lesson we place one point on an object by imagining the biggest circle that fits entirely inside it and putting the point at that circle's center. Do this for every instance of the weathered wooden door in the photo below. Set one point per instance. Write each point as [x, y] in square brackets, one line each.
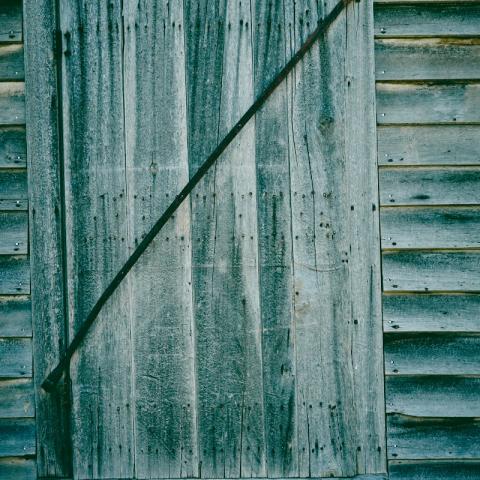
[247, 340]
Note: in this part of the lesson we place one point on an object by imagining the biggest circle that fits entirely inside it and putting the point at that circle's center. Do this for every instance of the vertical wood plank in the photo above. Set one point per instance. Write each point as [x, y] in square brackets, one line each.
[224, 241]
[48, 283]
[95, 185]
[275, 245]
[161, 292]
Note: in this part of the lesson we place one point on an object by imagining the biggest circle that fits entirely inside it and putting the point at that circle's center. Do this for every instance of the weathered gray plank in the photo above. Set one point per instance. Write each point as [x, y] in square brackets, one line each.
[16, 468]
[13, 185]
[424, 103]
[224, 239]
[434, 470]
[275, 245]
[431, 313]
[13, 233]
[18, 437]
[11, 21]
[432, 438]
[157, 163]
[48, 313]
[417, 103]
[10, 205]
[428, 227]
[97, 236]
[434, 271]
[12, 103]
[429, 145]
[428, 186]
[432, 354]
[13, 149]
[427, 20]
[15, 317]
[427, 59]
[16, 398]
[15, 357]
[11, 62]
[434, 396]
[14, 275]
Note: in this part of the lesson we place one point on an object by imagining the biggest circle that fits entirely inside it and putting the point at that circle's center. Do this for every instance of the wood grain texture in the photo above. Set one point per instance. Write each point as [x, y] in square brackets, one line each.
[432, 438]
[18, 437]
[16, 398]
[13, 185]
[13, 233]
[14, 275]
[97, 236]
[224, 240]
[432, 354]
[435, 396]
[427, 59]
[434, 470]
[419, 103]
[11, 21]
[13, 149]
[11, 62]
[275, 245]
[429, 145]
[157, 169]
[12, 103]
[15, 357]
[431, 271]
[427, 227]
[15, 316]
[15, 468]
[431, 313]
[48, 308]
[10, 205]
[429, 186]
[427, 20]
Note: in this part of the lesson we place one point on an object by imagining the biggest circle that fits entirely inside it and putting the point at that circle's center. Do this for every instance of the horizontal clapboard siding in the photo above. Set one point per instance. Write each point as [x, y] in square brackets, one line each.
[16, 398]
[16, 355]
[427, 59]
[11, 21]
[434, 470]
[12, 103]
[13, 233]
[11, 62]
[13, 185]
[14, 275]
[431, 313]
[13, 149]
[17, 468]
[429, 145]
[18, 437]
[15, 316]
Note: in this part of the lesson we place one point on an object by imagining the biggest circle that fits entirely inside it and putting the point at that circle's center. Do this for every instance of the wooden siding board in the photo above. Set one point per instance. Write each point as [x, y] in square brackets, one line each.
[434, 470]
[48, 314]
[429, 145]
[13, 148]
[418, 103]
[427, 20]
[432, 438]
[275, 246]
[431, 313]
[13, 233]
[161, 291]
[16, 468]
[18, 437]
[12, 103]
[97, 236]
[14, 275]
[13, 185]
[432, 354]
[433, 396]
[427, 228]
[10, 205]
[431, 271]
[11, 62]
[15, 316]
[429, 186]
[427, 59]
[16, 398]
[224, 241]
[15, 357]
[11, 21]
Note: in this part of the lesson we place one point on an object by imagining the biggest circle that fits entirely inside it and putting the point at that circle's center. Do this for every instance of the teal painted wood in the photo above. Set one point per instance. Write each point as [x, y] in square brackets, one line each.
[434, 470]
[14, 275]
[12, 103]
[224, 241]
[13, 149]
[97, 235]
[11, 21]
[13, 233]
[275, 245]
[16, 357]
[157, 169]
[11, 62]
[16, 398]
[18, 437]
[15, 468]
[13, 185]
[15, 316]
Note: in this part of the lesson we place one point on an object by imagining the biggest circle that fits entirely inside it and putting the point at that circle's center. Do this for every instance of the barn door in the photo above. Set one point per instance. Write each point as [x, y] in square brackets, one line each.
[247, 340]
